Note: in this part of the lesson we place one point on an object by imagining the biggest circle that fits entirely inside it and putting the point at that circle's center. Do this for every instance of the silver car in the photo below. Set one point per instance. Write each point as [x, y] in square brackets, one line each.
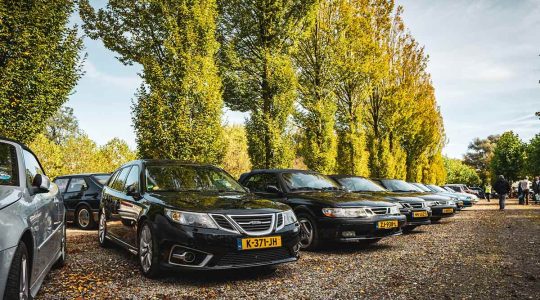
[32, 227]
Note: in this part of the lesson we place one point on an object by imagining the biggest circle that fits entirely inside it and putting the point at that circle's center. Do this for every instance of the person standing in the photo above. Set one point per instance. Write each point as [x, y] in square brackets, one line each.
[487, 191]
[536, 189]
[525, 186]
[502, 187]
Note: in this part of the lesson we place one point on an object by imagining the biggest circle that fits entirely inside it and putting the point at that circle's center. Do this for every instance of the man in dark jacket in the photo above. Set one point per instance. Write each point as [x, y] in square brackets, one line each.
[502, 187]
[536, 189]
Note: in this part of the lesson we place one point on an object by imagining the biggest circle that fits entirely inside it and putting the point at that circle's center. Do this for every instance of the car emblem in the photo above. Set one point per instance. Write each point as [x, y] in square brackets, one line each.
[255, 222]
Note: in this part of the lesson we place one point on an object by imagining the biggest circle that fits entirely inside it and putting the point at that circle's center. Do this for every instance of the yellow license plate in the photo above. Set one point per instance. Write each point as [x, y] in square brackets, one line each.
[420, 214]
[259, 243]
[447, 210]
[387, 224]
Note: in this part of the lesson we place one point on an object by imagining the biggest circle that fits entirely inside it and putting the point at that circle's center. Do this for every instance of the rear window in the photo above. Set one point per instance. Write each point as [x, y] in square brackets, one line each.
[8, 165]
[102, 179]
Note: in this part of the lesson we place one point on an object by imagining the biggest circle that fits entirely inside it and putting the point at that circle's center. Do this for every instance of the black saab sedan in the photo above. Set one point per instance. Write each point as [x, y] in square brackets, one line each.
[190, 216]
[441, 206]
[325, 210]
[414, 208]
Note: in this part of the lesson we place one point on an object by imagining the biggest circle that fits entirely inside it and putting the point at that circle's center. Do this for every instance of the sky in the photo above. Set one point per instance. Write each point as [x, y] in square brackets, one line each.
[484, 62]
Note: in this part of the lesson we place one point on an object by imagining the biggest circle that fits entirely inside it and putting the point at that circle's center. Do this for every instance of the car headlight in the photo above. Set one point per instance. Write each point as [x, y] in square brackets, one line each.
[399, 205]
[394, 210]
[430, 203]
[451, 202]
[346, 212]
[190, 218]
[289, 217]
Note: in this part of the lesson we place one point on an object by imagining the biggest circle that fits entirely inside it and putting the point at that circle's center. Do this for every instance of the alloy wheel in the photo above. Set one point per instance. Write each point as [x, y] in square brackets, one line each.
[145, 249]
[23, 280]
[83, 217]
[306, 233]
[102, 228]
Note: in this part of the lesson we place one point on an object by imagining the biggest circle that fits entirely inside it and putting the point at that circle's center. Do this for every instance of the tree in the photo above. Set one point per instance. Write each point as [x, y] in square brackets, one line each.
[179, 107]
[115, 153]
[479, 155]
[257, 39]
[62, 125]
[40, 63]
[458, 172]
[533, 156]
[236, 160]
[50, 155]
[317, 101]
[508, 157]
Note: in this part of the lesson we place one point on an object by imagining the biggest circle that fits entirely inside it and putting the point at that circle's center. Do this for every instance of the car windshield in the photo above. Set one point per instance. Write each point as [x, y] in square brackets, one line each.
[189, 178]
[451, 190]
[357, 184]
[396, 185]
[309, 181]
[437, 189]
[102, 179]
[421, 187]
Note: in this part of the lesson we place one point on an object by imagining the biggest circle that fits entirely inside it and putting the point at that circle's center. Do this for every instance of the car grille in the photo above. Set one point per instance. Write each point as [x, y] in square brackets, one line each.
[380, 210]
[254, 223]
[406, 205]
[223, 223]
[253, 256]
[417, 205]
[279, 220]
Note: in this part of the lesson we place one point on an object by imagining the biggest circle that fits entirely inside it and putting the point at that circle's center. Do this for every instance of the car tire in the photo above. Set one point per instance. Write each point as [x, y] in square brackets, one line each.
[18, 280]
[148, 253]
[309, 234]
[102, 231]
[63, 250]
[408, 229]
[84, 218]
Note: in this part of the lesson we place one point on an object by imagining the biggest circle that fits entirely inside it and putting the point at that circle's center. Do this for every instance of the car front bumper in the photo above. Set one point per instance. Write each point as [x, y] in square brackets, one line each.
[442, 211]
[6, 256]
[215, 249]
[363, 228]
[416, 221]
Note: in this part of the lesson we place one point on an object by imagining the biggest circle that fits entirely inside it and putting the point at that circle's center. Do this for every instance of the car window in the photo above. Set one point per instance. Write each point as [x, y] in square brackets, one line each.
[102, 179]
[62, 184]
[120, 180]
[309, 181]
[357, 184]
[259, 182]
[77, 185]
[32, 167]
[133, 178]
[8, 165]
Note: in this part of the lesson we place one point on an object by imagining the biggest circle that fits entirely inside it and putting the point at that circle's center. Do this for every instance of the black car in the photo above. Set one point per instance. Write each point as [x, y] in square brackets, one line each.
[424, 188]
[441, 206]
[81, 195]
[414, 208]
[177, 215]
[325, 210]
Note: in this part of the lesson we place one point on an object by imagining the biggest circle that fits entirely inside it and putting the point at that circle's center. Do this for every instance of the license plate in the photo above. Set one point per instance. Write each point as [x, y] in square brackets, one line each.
[447, 210]
[387, 224]
[420, 214]
[259, 243]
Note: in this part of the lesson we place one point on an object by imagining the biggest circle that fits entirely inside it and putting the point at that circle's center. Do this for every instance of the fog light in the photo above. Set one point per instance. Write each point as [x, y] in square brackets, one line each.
[187, 256]
[348, 234]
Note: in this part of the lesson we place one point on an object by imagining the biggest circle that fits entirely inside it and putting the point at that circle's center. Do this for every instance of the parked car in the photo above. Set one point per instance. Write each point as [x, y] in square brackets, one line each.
[456, 190]
[326, 212]
[479, 192]
[175, 215]
[467, 199]
[441, 206]
[413, 208]
[81, 195]
[33, 238]
[424, 189]
[461, 188]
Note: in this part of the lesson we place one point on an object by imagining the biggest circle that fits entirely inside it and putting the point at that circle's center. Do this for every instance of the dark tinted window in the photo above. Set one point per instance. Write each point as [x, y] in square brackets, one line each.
[357, 184]
[132, 179]
[259, 182]
[309, 181]
[102, 179]
[62, 184]
[32, 167]
[77, 185]
[8, 165]
[120, 180]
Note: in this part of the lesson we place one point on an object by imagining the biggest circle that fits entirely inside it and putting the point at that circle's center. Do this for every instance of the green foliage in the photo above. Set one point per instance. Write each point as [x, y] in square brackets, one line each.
[40, 63]
[533, 156]
[236, 160]
[62, 125]
[458, 172]
[508, 157]
[479, 154]
[115, 153]
[257, 39]
[179, 107]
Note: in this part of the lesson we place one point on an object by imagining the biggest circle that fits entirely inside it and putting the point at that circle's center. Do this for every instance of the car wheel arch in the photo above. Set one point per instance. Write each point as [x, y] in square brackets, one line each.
[28, 239]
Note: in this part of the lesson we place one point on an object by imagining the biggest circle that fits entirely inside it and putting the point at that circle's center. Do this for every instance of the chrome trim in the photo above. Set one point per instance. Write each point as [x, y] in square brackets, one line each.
[282, 221]
[201, 265]
[254, 233]
[222, 228]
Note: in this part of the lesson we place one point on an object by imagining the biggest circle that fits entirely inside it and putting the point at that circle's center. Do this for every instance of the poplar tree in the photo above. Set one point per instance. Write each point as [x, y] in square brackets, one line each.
[40, 63]
[178, 110]
[258, 38]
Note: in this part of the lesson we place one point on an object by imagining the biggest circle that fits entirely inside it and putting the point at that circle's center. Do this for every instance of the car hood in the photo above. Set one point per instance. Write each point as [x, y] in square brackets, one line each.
[342, 199]
[216, 202]
[9, 196]
[391, 196]
[457, 195]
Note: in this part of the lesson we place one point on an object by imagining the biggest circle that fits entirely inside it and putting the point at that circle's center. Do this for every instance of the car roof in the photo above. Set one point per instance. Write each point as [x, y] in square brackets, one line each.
[339, 176]
[157, 162]
[279, 171]
[81, 175]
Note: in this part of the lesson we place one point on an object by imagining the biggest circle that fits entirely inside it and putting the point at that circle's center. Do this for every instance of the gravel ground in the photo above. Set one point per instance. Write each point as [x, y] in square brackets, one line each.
[481, 253]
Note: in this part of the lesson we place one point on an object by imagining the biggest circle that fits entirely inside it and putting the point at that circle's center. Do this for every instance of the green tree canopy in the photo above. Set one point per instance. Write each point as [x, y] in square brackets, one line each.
[508, 157]
[40, 63]
[479, 154]
[458, 172]
[62, 125]
[533, 156]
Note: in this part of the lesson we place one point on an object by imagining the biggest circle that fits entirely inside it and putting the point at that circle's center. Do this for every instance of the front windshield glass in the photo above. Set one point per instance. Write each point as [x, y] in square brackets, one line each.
[188, 178]
[421, 187]
[102, 179]
[357, 184]
[399, 186]
[309, 181]
[437, 189]
[449, 189]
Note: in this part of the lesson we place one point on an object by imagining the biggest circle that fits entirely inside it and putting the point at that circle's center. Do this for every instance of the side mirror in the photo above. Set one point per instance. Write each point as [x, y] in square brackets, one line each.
[133, 191]
[41, 183]
[272, 189]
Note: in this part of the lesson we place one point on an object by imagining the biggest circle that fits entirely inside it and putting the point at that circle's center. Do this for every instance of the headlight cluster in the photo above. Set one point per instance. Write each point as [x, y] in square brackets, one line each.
[399, 205]
[451, 202]
[430, 203]
[346, 212]
[289, 217]
[191, 219]
[394, 210]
